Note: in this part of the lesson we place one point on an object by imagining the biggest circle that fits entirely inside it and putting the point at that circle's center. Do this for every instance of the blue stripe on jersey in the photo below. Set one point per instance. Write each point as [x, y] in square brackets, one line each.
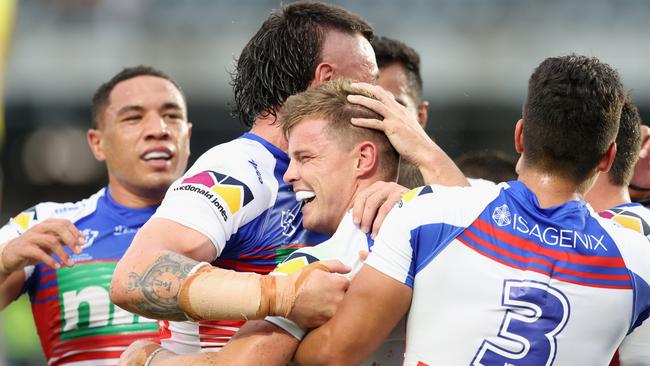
[641, 301]
[426, 242]
[546, 261]
[525, 263]
[564, 242]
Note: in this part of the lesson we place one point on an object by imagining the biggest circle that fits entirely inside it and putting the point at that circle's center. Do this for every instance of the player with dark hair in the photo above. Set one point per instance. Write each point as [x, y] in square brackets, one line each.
[399, 73]
[64, 254]
[537, 263]
[609, 196]
[232, 208]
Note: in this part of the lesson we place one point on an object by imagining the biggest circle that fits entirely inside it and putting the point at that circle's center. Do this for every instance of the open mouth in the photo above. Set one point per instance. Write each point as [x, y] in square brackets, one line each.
[305, 196]
[157, 155]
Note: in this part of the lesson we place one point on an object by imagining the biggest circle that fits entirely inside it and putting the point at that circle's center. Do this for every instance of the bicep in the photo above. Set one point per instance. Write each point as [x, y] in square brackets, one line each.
[160, 234]
[372, 307]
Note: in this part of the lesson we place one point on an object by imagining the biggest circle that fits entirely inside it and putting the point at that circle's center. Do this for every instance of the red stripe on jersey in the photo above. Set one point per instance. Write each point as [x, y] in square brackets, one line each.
[243, 267]
[47, 278]
[113, 340]
[88, 356]
[545, 262]
[627, 287]
[264, 256]
[163, 329]
[588, 260]
[46, 293]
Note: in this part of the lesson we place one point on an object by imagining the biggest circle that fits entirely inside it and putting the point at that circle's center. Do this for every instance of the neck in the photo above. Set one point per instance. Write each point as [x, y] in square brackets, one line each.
[268, 129]
[135, 198]
[551, 190]
[604, 195]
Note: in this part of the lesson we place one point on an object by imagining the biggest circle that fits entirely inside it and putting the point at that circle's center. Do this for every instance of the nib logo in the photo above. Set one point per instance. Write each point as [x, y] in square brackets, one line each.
[501, 215]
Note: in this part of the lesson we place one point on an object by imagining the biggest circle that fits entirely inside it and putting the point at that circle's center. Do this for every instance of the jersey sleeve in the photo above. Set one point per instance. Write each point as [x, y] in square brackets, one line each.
[219, 194]
[422, 224]
[25, 220]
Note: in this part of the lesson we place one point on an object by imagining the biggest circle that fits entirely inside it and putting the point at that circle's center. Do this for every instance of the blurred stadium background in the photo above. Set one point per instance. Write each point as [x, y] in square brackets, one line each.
[476, 58]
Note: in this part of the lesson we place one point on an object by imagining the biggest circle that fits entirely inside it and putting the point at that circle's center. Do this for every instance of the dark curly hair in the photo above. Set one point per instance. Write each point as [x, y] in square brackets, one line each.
[281, 58]
[571, 115]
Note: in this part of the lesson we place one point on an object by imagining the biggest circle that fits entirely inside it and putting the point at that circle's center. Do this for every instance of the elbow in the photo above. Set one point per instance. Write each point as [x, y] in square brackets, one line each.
[119, 290]
[323, 351]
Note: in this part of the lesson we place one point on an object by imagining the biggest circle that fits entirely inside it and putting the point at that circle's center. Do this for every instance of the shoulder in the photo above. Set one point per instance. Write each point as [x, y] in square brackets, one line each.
[72, 211]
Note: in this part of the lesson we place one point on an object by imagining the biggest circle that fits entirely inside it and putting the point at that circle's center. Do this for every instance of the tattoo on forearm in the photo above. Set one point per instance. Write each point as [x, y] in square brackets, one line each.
[160, 285]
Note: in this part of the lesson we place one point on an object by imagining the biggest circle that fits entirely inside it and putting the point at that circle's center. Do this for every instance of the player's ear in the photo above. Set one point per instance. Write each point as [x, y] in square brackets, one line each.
[519, 136]
[368, 158]
[607, 159]
[94, 138]
[324, 72]
[423, 113]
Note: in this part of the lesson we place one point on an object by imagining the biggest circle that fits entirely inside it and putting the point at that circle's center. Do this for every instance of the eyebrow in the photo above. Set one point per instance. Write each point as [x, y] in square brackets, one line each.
[137, 108]
[171, 105]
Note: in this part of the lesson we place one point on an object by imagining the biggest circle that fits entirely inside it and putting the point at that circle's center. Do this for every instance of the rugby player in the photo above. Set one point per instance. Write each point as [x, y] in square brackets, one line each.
[332, 161]
[232, 208]
[519, 273]
[399, 73]
[64, 254]
[609, 196]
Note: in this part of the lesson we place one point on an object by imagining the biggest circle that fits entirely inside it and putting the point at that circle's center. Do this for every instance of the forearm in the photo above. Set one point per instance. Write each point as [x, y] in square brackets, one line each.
[438, 168]
[10, 282]
[149, 283]
[256, 343]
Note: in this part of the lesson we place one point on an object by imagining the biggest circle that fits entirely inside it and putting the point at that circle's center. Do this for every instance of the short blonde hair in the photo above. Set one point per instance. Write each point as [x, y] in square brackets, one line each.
[329, 102]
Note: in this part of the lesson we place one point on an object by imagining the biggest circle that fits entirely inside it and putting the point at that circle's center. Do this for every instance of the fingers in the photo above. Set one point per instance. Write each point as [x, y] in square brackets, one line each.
[51, 245]
[335, 266]
[374, 203]
[37, 254]
[360, 204]
[393, 197]
[370, 103]
[67, 233]
[365, 206]
[363, 255]
[371, 123]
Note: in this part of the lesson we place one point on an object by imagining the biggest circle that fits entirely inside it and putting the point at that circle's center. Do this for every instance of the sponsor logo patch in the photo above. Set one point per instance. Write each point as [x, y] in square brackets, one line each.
[294, 263]
[24, 219]
[219, 188]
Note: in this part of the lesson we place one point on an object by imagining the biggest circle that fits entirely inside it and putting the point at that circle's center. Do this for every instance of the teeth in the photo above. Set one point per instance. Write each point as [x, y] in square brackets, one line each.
[304, 195]
[156, 155]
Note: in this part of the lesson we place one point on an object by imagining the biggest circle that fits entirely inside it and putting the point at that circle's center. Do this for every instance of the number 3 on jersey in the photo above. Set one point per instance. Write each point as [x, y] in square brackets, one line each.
[536, 314]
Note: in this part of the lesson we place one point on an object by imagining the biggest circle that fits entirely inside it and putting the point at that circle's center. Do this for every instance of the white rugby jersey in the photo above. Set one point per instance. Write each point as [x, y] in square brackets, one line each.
[344, 245]
[498, 280]
[234, 194]
[634, 350]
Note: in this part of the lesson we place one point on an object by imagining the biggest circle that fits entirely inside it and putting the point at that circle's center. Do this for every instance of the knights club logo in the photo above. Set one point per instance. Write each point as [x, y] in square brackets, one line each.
[501, 215]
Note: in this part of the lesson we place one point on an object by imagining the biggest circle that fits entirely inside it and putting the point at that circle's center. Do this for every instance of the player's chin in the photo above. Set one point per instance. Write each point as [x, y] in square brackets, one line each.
[158, 180]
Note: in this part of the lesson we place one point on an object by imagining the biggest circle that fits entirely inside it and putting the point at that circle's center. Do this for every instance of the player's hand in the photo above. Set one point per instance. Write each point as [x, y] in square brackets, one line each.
[41, 243]
[400, 126]
[641, 177]
[372, 204]
[318, 292]
[138, 352]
